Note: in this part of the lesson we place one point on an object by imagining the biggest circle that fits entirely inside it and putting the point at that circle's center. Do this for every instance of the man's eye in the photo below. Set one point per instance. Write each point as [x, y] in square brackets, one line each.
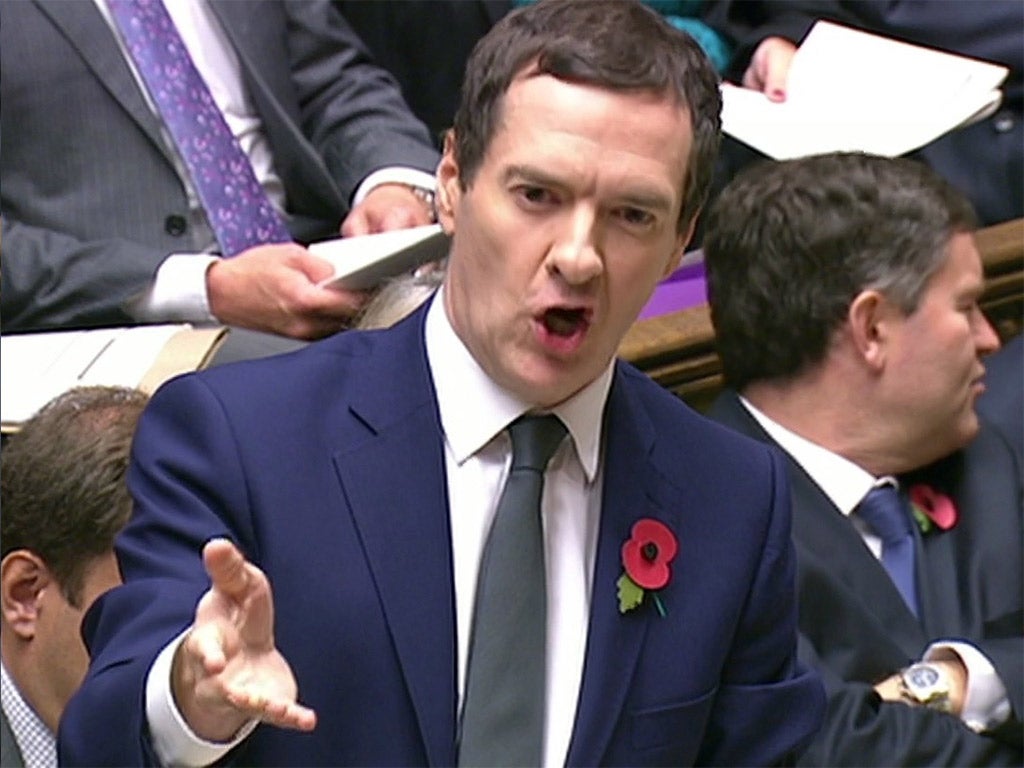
[636, 217]
[535, 195]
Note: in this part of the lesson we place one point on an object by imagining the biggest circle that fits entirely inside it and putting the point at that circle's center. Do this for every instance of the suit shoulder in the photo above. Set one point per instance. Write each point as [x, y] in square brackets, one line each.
[333, 356]
[689, 429]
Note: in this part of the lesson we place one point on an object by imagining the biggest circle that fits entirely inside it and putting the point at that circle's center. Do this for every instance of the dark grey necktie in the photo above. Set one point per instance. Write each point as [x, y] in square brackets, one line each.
[888, 516]
[503, 712]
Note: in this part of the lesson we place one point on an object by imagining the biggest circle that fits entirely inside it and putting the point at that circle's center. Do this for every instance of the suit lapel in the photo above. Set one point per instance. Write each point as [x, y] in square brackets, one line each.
[829, 548]
[393, 478]
[614, 640]
[94, 40]
[938, 564]
[258, 41]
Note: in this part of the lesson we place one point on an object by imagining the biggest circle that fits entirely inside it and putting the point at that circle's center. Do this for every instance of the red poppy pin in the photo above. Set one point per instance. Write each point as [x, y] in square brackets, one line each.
[645, 558]
[931, 508]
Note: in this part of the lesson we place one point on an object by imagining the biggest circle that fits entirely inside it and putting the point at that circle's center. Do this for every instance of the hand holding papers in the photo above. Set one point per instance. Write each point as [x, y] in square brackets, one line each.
[853, 91]
[364, 261]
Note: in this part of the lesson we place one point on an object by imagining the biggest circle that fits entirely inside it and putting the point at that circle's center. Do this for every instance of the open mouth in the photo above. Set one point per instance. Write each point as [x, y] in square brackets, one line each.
[564, 322]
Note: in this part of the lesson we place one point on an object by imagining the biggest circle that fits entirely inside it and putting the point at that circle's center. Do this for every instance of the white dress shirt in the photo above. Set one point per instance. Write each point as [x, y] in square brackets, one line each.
[986, 704]
[474, 413]
[37, 744]
[178, 292]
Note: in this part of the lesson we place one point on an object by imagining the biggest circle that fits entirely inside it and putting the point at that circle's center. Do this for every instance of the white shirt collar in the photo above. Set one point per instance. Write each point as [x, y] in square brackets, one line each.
[840, 479]
[474, 409]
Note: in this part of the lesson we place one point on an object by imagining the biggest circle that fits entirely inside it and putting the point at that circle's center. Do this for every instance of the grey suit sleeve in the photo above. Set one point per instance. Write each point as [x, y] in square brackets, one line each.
[351, 109]
[53, 280]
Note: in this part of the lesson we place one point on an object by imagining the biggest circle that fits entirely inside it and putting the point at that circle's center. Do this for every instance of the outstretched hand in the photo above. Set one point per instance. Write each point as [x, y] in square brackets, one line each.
[228, 671]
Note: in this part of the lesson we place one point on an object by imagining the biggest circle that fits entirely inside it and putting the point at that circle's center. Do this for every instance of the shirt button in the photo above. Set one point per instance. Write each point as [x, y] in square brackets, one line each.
[1003, 122]
[175, 225]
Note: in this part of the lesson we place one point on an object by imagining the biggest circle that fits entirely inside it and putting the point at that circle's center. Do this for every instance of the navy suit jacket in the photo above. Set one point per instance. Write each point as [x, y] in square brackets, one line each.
[327, 467]
[91, 200]
[856, 629]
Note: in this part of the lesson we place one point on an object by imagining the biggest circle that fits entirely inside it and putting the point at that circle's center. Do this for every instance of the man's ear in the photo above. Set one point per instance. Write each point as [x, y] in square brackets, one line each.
[870, 320]
[682, 240]
[449, 187]
[23, 577]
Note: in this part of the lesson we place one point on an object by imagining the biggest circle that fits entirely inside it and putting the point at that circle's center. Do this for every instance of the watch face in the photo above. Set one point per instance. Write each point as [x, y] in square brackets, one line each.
[922, 676]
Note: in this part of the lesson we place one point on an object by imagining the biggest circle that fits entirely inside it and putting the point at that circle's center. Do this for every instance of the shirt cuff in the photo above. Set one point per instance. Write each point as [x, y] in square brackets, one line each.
[173, 741]
[986, 704]
[178, 293]
[411, 177]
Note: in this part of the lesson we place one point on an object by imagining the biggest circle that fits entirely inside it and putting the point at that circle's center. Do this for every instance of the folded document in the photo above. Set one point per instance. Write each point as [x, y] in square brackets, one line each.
[850, 90]
[365, 261]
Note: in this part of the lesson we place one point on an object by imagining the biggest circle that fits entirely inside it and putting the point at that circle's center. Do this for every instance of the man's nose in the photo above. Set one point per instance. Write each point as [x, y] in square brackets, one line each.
[986, 340]
[577, 254]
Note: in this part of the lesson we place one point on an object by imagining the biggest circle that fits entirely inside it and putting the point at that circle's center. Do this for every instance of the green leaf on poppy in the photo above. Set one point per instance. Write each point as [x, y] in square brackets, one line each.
[630, 595]
[922, 520]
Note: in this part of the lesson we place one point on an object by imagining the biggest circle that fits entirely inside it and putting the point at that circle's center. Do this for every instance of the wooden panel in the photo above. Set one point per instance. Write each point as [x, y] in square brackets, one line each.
[677, 349]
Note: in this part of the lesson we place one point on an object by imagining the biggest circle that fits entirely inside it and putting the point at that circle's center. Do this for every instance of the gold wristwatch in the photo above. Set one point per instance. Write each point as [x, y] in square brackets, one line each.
[426, 197]
[927, 685]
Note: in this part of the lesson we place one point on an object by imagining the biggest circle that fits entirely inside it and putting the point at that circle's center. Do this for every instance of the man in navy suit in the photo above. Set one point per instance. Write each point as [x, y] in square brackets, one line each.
[302, 560]
[844, 294]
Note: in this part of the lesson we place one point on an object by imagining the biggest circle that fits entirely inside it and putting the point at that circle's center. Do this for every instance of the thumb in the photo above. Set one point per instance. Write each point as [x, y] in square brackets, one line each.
[225, 566]
[775, 69]
[313, 267]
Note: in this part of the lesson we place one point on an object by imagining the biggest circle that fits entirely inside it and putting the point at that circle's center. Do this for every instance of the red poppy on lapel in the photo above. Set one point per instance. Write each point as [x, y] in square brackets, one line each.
[931, 507]
[645, 557]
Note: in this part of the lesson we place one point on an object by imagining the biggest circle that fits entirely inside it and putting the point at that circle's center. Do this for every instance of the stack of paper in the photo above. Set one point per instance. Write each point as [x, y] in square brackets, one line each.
[849, 90]
[363, 262]
[39, 366]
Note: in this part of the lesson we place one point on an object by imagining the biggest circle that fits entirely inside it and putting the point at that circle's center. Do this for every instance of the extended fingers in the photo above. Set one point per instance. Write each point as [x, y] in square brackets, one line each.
[204, 647]
[280, 712]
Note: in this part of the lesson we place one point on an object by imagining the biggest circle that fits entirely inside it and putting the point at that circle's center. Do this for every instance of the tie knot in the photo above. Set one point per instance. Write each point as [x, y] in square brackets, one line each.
[534, 440]
[884, 510]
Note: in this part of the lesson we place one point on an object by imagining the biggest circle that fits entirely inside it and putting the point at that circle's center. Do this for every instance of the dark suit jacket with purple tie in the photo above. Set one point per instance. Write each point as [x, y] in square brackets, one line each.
[92, 203]
[856, 629]
[327, 467]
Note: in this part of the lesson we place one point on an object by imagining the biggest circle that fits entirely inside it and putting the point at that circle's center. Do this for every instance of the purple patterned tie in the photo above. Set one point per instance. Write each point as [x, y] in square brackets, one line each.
[236, 205]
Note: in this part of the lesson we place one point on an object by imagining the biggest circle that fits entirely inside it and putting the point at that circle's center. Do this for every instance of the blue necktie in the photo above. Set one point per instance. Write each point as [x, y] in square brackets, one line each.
[237, 207]
[503, 712]
[889, 518]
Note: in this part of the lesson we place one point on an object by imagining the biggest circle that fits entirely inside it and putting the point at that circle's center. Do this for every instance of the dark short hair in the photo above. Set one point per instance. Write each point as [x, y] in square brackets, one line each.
[789, 245]
[62, 481]
[620, 45]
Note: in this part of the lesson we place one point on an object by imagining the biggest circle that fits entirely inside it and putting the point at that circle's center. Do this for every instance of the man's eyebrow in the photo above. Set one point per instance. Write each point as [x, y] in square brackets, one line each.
[531, 175]
[650, 201]
[639, 198]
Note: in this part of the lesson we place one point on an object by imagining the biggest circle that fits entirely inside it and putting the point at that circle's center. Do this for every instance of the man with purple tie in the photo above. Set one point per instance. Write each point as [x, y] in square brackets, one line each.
[124, 175]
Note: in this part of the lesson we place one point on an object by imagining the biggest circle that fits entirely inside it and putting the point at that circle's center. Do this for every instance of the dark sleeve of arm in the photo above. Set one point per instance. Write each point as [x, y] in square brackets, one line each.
[52, 280]
[861, 729]
[352, 109]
